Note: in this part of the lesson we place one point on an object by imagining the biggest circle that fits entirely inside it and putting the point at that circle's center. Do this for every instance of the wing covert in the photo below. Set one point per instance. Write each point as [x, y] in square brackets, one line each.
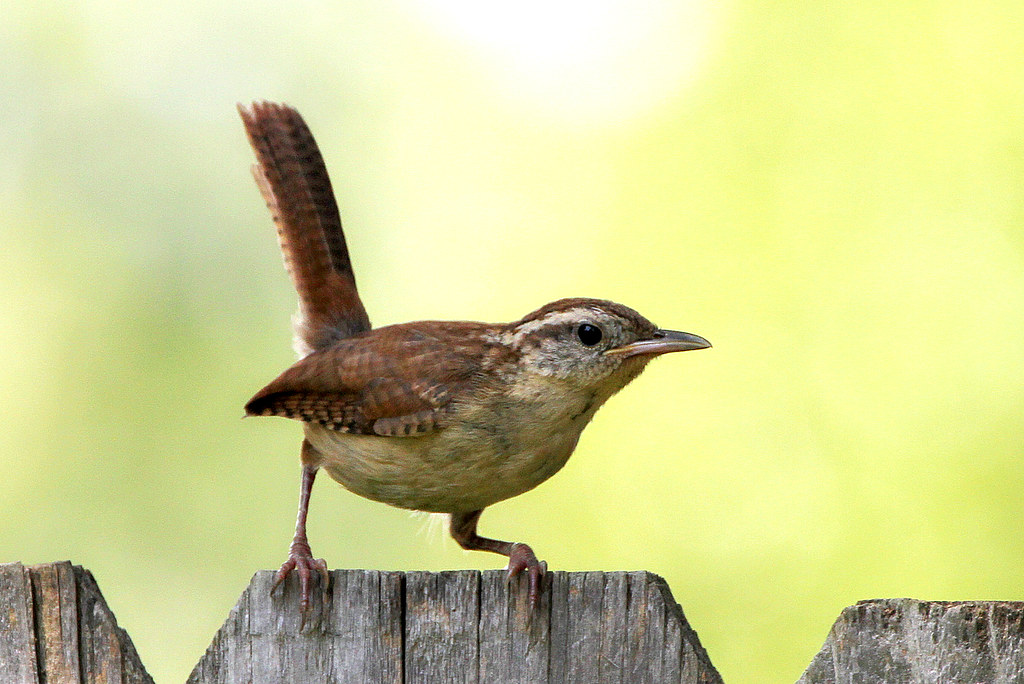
[391, 382]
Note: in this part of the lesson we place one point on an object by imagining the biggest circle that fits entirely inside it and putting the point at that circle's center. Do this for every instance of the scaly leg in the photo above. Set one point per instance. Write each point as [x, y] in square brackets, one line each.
[300, 557]
[520, 556]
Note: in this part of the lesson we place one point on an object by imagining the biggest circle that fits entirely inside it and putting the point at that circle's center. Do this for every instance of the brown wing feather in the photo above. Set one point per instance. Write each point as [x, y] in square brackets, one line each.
[293, 180]
[393, 381]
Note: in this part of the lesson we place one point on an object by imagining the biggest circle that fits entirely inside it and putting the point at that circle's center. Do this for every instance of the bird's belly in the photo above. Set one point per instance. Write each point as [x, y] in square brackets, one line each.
[458, 469]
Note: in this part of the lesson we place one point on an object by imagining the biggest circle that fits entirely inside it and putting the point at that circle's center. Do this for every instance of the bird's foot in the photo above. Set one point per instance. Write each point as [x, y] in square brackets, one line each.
[300, 559]
[522, 558]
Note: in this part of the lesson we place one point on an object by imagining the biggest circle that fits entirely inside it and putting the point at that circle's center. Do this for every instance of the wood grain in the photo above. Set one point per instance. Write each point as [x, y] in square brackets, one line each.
[472, 627]
[905, 640]
[463, 627]
[55, 628]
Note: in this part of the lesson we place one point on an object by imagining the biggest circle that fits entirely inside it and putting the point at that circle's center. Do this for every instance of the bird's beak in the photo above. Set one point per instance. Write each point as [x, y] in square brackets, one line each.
[661, 342]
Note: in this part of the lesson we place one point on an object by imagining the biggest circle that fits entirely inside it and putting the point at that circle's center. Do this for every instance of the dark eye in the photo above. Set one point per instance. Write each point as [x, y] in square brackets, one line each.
[589, 334]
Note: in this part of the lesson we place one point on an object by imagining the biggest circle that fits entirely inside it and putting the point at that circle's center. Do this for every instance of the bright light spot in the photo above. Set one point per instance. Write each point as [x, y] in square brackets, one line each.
[598, 62]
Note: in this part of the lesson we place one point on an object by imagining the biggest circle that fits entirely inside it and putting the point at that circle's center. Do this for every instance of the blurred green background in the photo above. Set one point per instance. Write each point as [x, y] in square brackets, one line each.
[832, 192]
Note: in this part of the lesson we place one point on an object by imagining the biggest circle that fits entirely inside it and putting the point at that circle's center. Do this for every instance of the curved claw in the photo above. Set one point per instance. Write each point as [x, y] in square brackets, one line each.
[522, 558]
[300, 558]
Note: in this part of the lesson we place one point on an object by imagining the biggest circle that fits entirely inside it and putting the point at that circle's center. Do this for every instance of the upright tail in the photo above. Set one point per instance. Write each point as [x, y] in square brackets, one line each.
[293, 180]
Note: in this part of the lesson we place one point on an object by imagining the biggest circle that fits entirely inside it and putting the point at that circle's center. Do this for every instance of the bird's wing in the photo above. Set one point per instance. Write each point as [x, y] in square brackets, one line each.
[397, 381]
[293, 180]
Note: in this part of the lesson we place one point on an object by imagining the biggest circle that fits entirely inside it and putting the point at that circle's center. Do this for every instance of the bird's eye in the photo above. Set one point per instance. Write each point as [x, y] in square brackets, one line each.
[589, 334]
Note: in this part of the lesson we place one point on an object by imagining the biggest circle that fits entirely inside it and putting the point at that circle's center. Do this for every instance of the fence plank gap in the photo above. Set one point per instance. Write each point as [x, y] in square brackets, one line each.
[465, 627]
[56, 627]
[472, 627]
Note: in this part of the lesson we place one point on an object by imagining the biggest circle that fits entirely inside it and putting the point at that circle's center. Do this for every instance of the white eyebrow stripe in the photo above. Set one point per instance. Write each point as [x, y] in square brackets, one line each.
[553, 319]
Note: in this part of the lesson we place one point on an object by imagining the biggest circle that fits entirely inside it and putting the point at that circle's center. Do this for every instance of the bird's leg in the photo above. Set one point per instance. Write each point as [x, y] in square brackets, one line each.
[300, 557]
[520, 556]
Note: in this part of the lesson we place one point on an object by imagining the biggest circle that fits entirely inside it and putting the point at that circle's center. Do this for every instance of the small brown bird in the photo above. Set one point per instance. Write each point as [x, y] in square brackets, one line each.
[439, 416]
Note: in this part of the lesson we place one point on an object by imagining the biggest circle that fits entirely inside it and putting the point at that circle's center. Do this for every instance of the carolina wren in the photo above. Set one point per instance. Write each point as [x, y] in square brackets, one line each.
[439, 416]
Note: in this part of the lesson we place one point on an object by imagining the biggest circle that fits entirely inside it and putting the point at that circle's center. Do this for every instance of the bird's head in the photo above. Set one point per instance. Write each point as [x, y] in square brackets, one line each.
[593, 342]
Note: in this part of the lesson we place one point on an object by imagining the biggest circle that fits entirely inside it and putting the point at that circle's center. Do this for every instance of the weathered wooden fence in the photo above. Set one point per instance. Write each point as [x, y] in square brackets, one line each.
[923, 642]
[464, 626]
[469, 626]
[56, 627]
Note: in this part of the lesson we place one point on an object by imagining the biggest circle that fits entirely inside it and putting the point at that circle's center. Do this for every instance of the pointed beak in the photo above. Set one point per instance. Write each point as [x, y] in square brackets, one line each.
[661, 342]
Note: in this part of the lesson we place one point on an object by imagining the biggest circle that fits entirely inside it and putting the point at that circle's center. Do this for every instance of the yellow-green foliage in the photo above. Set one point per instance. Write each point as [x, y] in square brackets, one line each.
[831, 192]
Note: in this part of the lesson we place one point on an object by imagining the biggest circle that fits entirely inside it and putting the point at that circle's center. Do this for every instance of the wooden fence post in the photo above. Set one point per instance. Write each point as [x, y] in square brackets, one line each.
[903, 640]
[55, 627]
[465, 627]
